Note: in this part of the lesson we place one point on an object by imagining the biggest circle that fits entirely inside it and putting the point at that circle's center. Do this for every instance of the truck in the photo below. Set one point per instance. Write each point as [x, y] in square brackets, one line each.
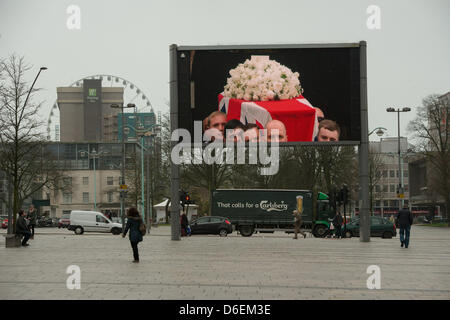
[269, 210]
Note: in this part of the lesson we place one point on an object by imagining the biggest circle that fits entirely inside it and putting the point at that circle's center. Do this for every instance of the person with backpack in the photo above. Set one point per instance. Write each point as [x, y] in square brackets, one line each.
[137, 229]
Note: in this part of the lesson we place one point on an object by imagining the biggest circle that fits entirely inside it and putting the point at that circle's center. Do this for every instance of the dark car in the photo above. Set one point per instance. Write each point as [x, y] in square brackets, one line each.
[64, 221]
[4, 222]
[211, 225]
[379, 227]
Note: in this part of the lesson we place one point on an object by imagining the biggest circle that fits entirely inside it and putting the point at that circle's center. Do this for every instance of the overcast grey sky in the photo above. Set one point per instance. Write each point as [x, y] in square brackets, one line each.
[408, 58]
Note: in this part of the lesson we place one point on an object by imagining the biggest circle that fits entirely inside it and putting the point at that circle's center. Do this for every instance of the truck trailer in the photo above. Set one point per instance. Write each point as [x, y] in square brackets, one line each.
[269, 210]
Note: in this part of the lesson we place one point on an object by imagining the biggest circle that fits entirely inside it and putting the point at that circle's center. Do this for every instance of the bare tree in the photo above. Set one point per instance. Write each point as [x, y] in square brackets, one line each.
[22, 145]
[376, 166]
[431, 131]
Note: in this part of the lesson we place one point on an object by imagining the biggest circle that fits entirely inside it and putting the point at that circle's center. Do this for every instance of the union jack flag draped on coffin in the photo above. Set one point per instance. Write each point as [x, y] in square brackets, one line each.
[298, 115]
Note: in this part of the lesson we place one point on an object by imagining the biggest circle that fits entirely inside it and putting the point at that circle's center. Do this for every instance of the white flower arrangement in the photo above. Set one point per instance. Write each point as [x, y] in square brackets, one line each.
[262, 79]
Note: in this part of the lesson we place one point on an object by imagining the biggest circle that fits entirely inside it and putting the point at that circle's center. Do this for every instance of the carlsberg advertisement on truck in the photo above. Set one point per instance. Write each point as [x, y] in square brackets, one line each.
[269, 210]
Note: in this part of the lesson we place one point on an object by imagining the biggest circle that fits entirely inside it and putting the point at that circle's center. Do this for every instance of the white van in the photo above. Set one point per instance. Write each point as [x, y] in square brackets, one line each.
[92, 221]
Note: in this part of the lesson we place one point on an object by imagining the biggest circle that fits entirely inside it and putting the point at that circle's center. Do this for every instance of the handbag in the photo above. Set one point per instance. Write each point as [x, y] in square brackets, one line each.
[142, 228]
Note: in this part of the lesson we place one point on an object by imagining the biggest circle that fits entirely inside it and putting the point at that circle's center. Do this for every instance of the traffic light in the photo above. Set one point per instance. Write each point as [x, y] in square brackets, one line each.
[185, 198]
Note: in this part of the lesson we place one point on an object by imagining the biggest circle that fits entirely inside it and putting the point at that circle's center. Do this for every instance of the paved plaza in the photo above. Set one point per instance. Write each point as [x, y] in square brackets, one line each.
[264, 266]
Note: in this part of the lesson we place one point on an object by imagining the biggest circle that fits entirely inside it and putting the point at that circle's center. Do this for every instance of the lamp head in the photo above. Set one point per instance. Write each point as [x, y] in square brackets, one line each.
[380, 132]
[390, 110]
[44, 68]
[406, 109]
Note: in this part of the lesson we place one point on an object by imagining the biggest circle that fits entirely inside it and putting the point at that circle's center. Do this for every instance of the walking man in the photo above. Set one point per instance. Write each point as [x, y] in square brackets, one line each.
[32, 216]
[22, 228]
[298, 223]
[404, 222]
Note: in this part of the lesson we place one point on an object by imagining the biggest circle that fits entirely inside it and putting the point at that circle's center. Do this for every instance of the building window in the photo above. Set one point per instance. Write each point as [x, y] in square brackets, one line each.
[385, 173]
[392, 188]
[385, 188]
[392, 173]
[67, 181]
[385, 203]
[85, 197]
[85, 181]
[377, 203]
[405, 173]
[405, 188]
[377, 188]
[110, 181]
[110, 197]
[67, 198]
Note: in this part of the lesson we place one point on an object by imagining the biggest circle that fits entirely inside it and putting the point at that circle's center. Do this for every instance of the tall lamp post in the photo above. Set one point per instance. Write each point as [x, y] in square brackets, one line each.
[93, 155]
[142, 132]
[122, 183]
[400, 191]
[10, 211]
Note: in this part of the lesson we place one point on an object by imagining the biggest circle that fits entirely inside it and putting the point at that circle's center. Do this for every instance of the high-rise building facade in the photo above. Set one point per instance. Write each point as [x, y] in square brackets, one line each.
[388, 174]
[86, 113]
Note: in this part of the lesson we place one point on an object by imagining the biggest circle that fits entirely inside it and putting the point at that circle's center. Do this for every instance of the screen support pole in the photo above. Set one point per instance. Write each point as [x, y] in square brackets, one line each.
[175, 170]
[363, 152]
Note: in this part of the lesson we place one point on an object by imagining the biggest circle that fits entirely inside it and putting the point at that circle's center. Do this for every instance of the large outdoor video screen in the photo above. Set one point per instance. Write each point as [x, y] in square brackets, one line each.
[309, 93]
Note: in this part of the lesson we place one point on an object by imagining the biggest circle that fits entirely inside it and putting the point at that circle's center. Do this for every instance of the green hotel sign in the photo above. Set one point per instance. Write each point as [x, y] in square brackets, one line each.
[92, 92]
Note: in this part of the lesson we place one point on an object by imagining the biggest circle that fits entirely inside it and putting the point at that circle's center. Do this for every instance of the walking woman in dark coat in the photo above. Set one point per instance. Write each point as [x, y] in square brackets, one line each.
[133, 223]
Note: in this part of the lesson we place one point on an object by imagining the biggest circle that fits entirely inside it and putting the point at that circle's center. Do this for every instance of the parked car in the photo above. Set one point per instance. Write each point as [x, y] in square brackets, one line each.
[44, 221]
[379, 227]
[211, 225]
[92, 221]
[4, 223]
[64, 221]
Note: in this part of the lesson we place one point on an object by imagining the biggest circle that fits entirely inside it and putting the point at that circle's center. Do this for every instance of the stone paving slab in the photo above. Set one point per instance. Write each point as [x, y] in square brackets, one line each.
[264, 266]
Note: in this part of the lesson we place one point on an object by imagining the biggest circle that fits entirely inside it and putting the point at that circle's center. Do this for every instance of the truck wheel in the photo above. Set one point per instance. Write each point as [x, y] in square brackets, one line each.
[223, 232]
[320, 231]
[246, 231]
[79, 230]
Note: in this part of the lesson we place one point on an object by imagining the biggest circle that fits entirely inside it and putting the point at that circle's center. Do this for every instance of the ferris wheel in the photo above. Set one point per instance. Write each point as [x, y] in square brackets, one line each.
[131, 94]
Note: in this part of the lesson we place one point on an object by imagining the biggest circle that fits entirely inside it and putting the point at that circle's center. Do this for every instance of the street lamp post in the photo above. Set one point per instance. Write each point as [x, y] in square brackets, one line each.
[142, 132]
[122, 191]
[10, 211]
[400, 190]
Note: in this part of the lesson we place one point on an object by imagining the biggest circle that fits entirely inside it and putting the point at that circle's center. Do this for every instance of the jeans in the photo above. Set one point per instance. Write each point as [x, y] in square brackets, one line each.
[26, 236]
[404, 235]
[134, 245]
[32, 229]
